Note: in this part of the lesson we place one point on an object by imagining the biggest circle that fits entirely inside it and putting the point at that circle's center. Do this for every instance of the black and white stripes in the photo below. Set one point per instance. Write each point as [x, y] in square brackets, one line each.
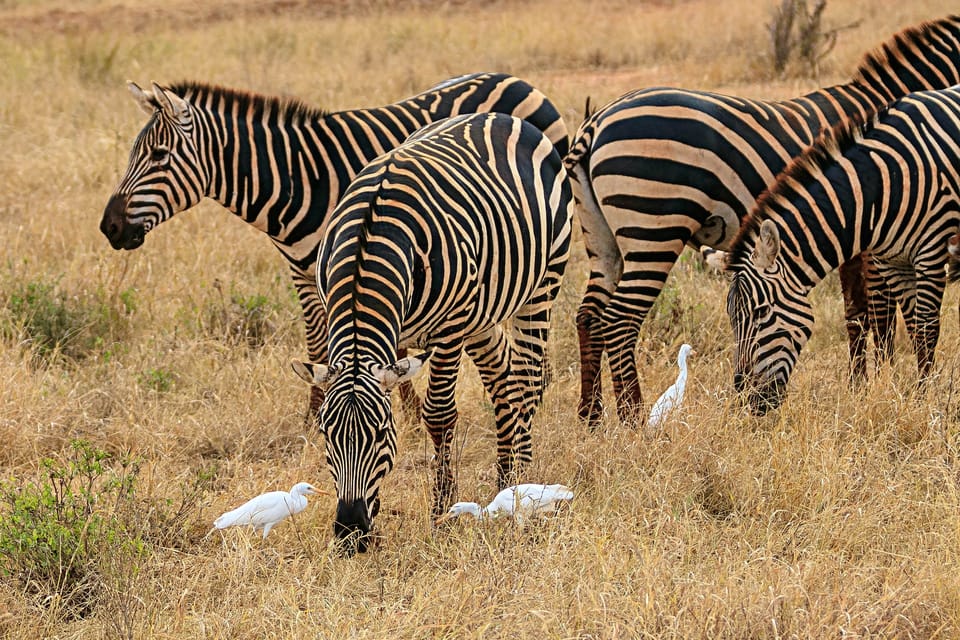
[282, 166]
[892, 189]
[437, 245]
[659, 168]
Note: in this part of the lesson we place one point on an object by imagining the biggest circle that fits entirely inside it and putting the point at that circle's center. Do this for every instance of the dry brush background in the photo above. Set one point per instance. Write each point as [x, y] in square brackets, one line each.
[835, 516]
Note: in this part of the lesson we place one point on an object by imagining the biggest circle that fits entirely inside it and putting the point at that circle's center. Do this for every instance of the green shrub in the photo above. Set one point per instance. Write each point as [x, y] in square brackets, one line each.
[159, 380]
[242, 319]
[52, 323]
[55, 534]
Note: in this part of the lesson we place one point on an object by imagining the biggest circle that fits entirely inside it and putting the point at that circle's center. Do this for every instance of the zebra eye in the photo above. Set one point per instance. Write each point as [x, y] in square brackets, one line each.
[159, 154]
[761, 311]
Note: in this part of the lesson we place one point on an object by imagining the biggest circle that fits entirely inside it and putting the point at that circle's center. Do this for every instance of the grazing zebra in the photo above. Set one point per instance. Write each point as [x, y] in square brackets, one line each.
[282, 166]
[659, 168]
[437, 244]
[890, 187]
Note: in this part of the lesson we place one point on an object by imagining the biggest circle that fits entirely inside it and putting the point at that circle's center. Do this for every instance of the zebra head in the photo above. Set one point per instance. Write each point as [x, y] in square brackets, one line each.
[164, 175]
[361, 437]
[771, 318]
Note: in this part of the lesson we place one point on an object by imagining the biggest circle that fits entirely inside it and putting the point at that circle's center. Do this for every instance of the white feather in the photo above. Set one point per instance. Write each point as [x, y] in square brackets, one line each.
[519, 501]
[672, 398]
[268, 509]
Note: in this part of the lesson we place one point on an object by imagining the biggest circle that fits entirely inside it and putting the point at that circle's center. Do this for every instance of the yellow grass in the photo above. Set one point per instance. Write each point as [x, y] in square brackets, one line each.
[836, 515]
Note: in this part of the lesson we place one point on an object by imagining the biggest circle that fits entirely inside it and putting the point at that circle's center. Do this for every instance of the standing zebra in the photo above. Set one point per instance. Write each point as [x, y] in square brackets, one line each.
[282, 166]
[890, 187]
[658, 168]
[437, 244]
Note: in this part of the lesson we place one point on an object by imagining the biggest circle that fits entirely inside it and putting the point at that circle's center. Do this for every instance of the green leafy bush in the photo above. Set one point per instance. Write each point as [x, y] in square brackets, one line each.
[55, 533]
[242, 319]
[51, 322]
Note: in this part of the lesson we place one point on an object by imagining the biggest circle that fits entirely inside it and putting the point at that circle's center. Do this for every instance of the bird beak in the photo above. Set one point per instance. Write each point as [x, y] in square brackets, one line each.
[694, 353]
[320, 492]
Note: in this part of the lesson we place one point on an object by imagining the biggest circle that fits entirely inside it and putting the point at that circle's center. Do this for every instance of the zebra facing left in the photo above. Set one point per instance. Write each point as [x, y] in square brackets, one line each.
[282, 166]
[890, 186]
[437, 245]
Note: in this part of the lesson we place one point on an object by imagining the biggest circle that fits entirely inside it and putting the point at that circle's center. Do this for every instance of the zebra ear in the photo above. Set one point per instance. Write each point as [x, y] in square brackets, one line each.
[319, 375]
[401, 370]
[768, 246]
[171, 104]
[144, 100]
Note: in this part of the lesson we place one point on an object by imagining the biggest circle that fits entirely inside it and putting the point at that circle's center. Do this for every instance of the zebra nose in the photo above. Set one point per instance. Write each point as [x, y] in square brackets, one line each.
[111, 225]
[352, 525]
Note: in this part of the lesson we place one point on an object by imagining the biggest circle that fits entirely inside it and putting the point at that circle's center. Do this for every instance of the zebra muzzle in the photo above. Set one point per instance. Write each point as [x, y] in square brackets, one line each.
[114, 225]
[352, 526]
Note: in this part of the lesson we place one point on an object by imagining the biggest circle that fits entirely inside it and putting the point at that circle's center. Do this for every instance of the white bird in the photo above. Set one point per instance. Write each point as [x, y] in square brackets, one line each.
[672, 398]
[715, 259]
[519, 501]
[268, 509]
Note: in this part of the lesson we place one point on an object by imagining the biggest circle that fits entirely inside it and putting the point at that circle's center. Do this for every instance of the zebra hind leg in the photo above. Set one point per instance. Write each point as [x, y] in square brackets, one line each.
[606, 269]
[621, 341]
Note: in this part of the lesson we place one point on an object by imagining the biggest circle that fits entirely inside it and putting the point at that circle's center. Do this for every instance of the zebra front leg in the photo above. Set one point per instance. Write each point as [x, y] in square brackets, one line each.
[315, 319]
[926, 334]
[491, 352]
[440, 418]
[882, 305]
[853, 284]
[531, 328]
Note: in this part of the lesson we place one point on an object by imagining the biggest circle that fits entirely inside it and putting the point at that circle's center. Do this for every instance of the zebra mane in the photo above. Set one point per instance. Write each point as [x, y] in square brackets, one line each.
[924, 36]
[829, 147]
[285, 109]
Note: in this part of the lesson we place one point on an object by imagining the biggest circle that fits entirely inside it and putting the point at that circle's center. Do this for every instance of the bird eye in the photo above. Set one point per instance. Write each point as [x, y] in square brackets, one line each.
[159, 154]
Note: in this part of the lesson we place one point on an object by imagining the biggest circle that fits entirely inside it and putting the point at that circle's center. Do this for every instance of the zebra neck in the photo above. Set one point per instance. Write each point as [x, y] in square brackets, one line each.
[826, 107]
[284, 176]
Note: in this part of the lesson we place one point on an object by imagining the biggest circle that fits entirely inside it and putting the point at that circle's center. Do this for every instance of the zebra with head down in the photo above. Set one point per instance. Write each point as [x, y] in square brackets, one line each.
[438, 244]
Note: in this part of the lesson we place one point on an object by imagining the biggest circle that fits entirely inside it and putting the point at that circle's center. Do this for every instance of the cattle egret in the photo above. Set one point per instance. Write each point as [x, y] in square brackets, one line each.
[520, 501]
[268, 509]
[715, 259]
[672, 398]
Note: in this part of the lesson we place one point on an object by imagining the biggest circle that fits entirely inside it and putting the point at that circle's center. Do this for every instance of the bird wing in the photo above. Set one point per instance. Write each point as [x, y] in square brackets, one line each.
[663, 406]
[268, 507]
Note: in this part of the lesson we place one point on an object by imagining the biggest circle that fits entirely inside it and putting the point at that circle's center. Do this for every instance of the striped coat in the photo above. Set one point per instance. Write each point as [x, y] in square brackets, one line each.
[659, 168]
[437, 245]
[890, 187]
[282, 166]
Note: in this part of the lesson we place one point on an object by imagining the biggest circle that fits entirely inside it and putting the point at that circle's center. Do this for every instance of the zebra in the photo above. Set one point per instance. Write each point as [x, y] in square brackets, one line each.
[890, 186]
[282, 166]
[437, 244]
[659, 168]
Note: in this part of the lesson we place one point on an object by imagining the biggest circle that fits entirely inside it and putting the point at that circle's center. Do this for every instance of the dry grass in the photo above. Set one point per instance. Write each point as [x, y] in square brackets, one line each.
[837, 515]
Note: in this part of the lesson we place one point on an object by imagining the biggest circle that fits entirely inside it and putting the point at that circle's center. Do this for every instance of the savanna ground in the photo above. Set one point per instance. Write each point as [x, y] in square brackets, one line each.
[835, 516]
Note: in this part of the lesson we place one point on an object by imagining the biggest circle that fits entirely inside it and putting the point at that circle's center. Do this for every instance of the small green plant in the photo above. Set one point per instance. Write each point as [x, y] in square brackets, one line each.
[159, 380]
[55, 532]
[128, 298]
[50, 322]
[243, 319]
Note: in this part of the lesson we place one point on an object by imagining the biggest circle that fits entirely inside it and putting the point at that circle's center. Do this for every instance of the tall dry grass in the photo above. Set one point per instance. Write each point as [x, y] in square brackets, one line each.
[837, 515]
